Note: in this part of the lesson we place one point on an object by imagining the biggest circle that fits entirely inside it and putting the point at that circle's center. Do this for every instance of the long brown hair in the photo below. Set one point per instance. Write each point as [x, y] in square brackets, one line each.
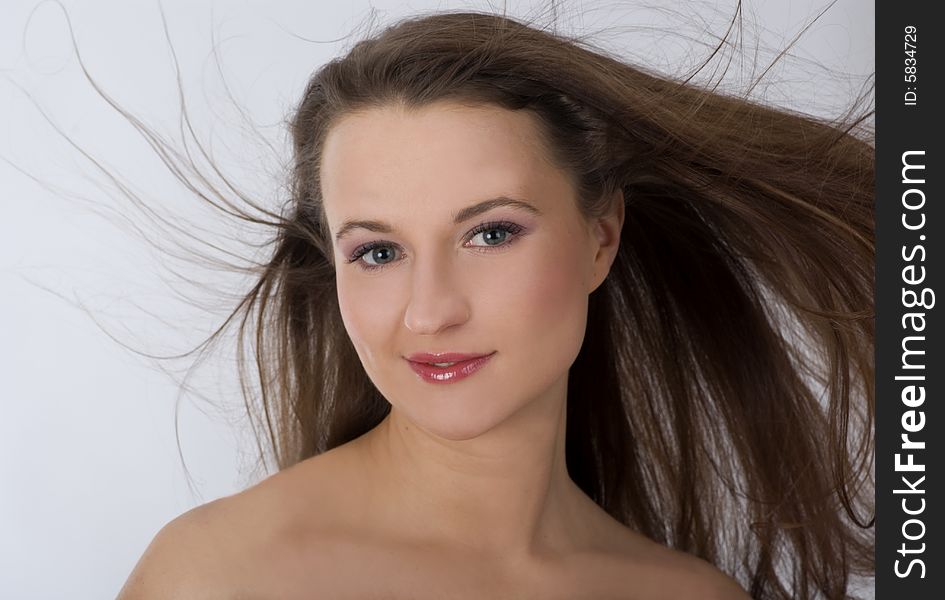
[693, 414]
[722, 402]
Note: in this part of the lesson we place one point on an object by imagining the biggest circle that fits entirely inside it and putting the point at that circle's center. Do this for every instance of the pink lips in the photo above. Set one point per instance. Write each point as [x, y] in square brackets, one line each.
[465, 365]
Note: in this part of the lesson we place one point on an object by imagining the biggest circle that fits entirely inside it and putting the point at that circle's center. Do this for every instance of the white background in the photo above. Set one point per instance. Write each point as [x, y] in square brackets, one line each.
[89, 466]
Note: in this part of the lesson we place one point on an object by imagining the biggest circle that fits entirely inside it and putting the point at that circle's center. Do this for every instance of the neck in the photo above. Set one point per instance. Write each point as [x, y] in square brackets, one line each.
[505, 492]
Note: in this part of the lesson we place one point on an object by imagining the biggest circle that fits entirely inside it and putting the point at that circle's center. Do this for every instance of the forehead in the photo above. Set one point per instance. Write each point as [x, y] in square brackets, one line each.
[447, 153]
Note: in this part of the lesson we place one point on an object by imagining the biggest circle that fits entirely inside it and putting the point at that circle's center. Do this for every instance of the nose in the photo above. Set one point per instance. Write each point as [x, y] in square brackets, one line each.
[436, 301]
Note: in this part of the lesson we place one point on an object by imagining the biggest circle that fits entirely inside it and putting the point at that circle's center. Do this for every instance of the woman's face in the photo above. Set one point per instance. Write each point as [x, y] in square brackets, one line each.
[516, 287]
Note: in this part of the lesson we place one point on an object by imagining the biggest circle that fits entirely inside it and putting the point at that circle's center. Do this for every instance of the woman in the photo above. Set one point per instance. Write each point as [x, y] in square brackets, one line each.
[528, 331]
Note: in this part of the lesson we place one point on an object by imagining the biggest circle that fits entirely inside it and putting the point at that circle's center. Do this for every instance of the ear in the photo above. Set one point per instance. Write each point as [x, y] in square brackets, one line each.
[607, 239]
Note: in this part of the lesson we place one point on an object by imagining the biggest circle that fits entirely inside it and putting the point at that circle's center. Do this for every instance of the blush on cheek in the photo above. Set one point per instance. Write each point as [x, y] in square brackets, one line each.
[370, 311]
[353, 317]
[554, 309]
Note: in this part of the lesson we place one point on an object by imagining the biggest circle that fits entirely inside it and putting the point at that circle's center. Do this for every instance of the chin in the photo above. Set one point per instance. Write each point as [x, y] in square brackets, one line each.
[456, 423]
[456, 414]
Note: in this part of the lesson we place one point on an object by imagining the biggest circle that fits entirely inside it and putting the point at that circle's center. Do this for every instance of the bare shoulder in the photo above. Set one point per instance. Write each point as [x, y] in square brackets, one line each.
[709, 583]
[635, 563]
[188, 557]
[694, 577]
[234, 546]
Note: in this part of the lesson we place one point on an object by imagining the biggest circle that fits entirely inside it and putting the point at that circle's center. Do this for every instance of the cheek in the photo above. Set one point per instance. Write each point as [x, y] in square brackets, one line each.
[365, 318]
[545, 311]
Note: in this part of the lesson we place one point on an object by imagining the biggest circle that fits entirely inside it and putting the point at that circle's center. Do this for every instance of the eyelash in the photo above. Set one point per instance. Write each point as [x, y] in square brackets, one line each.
[512, 228]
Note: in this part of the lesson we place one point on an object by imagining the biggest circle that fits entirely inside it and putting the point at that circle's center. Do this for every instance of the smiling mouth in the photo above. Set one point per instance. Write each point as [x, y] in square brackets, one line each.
[445, 358]
[449, 371]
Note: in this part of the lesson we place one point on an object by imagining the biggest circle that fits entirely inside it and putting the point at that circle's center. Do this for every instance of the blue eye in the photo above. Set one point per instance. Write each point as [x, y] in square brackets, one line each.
[382, 253]
[493, 240]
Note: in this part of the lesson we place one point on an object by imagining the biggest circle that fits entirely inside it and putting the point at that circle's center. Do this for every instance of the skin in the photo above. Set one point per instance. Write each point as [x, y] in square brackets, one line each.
[480, 460]
[462, 491]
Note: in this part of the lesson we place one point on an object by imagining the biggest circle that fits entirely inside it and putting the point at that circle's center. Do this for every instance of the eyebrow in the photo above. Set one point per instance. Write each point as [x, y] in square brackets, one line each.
[463, 215]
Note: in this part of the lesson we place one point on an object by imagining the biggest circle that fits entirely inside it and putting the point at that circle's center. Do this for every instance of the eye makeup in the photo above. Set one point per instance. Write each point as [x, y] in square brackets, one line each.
[513, 231]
